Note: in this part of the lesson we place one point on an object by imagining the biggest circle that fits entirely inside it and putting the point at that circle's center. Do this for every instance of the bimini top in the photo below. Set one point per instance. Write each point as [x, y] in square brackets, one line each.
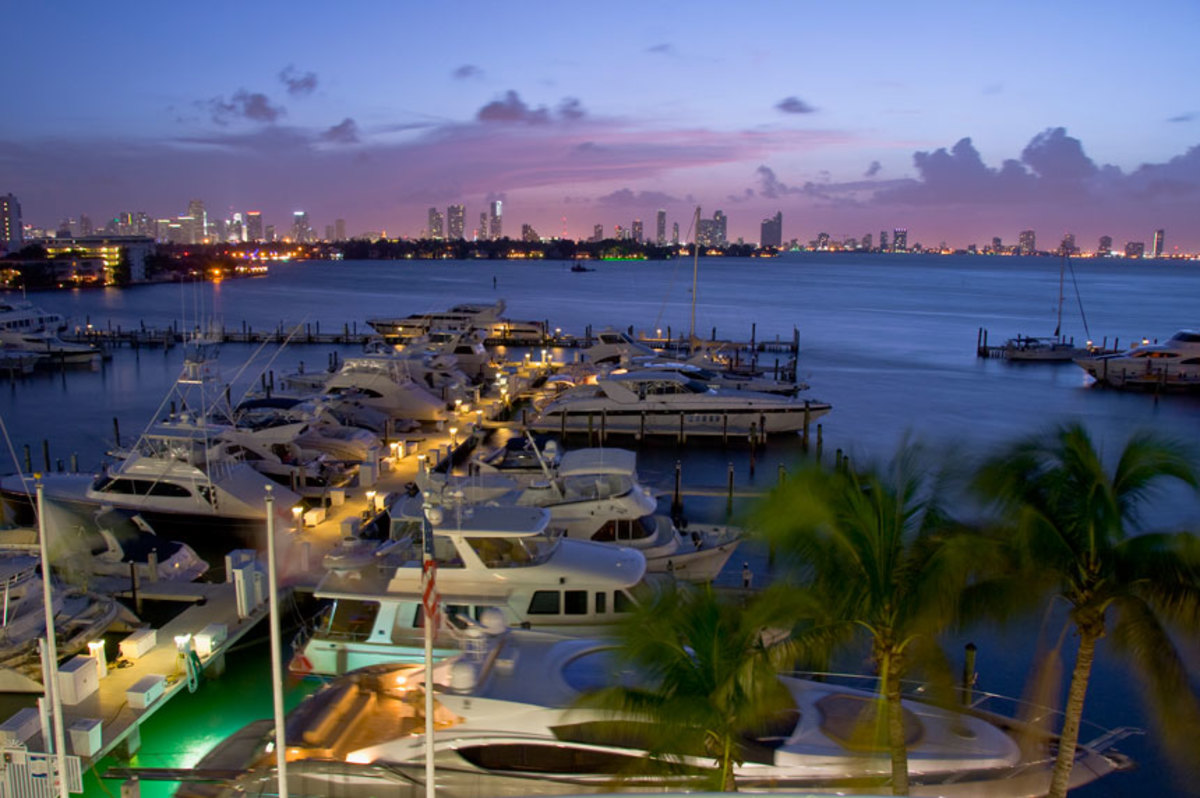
[597, 461]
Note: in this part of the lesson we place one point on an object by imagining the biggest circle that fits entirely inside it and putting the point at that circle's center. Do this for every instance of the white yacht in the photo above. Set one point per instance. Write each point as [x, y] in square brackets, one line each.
[19, 315]
[613, 346]
[310, 424]
[669, 403]
[713, 377]
[594, 494]
[386, 384]
[1172, 364]
[501, 557]
[24, 327]
[508, 722]
[482, 318]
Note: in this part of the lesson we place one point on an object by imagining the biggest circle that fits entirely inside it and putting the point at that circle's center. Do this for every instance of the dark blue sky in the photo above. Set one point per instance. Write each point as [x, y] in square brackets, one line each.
[958, 121]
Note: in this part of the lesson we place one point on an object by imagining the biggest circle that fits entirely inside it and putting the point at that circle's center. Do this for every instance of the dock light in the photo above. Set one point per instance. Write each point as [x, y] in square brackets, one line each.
[371, 501]
[454, 436]
[182, 642]
[297, 512]
[458, 405]
[395, 447]
[422, 461]
[465, 409]
[96, 650]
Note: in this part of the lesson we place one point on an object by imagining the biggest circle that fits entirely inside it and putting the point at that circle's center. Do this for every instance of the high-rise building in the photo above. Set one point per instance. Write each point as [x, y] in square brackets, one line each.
[254, 226]
[660, 227]
[822, 241]
[866, 241]
[339, 229]
[997, 244]
[437, 229]
[638, 232]
[301, 231]
[675, 233]
[482, 233]
[722, 228]
[598, 232]
[1156, 251]
[1105, 246]
[496, 221]
[1135, 249]
[883, 241]
[329, 232]
[1067, 247]
[1027, 242]
[269, 233]
[456, 222]
[528, 234]
[11, 235]
[772, 231]
[199, 227]
[900, 239]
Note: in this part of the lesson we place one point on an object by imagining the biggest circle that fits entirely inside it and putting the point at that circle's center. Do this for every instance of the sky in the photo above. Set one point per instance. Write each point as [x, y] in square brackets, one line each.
[957, 121]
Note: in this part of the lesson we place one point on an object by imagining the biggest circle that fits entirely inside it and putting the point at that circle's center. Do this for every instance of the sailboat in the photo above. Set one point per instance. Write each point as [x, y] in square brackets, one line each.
[1050, 348]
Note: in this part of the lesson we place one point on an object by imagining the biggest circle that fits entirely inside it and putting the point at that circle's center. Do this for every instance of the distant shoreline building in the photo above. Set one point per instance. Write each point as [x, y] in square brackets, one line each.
[11, 235]
[771, 234]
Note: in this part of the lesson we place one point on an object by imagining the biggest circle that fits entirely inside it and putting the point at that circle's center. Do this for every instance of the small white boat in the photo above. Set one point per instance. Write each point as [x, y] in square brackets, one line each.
[651, 402]
[1174, 364]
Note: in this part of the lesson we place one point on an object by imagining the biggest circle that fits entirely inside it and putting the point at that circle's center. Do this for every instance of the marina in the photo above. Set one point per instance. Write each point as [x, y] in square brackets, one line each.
[878, 381]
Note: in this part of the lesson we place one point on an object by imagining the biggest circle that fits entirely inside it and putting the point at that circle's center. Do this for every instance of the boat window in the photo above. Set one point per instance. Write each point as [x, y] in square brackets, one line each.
[544, 602]
[512, 552]
[601, 602]
[535, 758]
[584, 487]
[140, 487]
[575, 602]
[351, 619]
[1186, 336]
[622, 602]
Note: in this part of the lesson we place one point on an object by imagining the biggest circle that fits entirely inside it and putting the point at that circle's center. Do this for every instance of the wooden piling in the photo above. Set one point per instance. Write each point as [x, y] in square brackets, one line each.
[117, 431]
[807, 417]
[46, 453]
[677, 499]
[820, 442]
[729, 495]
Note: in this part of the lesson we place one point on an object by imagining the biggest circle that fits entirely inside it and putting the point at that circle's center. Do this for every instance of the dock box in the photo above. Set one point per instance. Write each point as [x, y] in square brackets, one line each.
[145, 691]
[314, 516]
[139, 643]
[78, 678]
[19, 728]
[337, 497]
[85, 736]
[209, 639]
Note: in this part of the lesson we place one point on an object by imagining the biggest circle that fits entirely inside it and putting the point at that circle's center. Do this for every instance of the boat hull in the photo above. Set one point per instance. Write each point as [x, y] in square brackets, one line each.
[683, 423]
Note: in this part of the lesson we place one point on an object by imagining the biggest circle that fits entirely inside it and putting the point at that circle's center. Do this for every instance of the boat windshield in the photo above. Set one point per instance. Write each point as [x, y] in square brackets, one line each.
[513, 552]
[584, 487]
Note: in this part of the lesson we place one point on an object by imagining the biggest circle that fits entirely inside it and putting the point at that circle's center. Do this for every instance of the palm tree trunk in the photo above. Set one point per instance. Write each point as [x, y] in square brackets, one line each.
[1073, 714]
[728, 784]
[895, 728]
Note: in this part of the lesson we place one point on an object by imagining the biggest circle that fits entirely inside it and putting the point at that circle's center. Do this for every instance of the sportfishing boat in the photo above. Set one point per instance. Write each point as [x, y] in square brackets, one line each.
[502, 557]
[1172, 364]
[509, 721]
[669, 403]
[310, 424]
[386, 384]
[595, 494]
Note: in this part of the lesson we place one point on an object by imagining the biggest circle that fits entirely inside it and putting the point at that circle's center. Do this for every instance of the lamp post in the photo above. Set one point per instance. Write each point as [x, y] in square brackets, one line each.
[51, 651]
[276, 654]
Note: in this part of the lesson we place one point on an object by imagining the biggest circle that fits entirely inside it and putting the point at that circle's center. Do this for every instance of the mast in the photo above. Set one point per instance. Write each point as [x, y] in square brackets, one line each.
[695, 276]
[1062, 269]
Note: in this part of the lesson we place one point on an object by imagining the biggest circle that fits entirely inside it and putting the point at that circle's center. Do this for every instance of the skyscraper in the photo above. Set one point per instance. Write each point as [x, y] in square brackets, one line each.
[883, 241]
[301, 231]
[1156, 251]
[456, 222]
[900, 239]
[721, 228]
[495, 220]
[638, 232]
[436, 229]
[598, 232]
[339, 229]
[1135, 249]
[660, 227]
[11, 237]
[254, 226]
[1068, 245]
[866, 242]
[1105, 246]
[772, 231]
[482, 233]
[528, 234]
[1027, 242]
[675, 233]
[199, 221]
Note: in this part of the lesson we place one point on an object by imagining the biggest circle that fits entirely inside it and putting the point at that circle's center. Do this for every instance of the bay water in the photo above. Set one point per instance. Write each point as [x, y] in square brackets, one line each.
[889, 340]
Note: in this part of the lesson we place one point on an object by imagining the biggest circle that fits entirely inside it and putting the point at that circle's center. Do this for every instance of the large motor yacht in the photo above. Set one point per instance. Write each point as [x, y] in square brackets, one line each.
[649, 402]
[508, 720]
[1174, 363]
[502, 557]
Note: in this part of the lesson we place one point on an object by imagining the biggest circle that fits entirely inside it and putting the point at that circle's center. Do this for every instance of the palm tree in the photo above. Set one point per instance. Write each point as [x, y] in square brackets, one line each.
[873, 556]
[708, 678]
[1074, 526]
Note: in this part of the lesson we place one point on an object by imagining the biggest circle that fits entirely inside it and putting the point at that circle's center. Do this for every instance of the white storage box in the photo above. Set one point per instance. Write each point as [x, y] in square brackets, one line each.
[314, 516]
[78, 678]
[145, 691]
[209, 639]
[18, 729]
[139, 643]
[337, 497]
[85, 736]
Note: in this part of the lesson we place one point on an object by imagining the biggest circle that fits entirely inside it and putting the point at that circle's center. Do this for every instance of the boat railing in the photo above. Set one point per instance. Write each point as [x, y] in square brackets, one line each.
[1015, 713]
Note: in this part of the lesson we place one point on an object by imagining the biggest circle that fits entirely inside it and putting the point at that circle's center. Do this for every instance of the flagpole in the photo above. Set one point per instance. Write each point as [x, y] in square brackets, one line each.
[276, 653]
[60, 742]
[429, 600]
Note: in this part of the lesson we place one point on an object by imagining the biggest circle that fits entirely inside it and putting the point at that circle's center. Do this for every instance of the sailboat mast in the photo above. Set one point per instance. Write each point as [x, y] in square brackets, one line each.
[1062, 269]
[695, 276]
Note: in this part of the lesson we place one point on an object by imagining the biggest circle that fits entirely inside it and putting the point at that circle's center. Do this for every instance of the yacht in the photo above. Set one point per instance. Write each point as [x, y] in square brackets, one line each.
[613, 346]
[1172, 364]
[18, 315]
[24, 327]
[1051, 349]
[508, 721]
[501, 557]
[653, 402]
[482, 318]
[713, 377]
[594, 494]
[310, 424]
[386, 384]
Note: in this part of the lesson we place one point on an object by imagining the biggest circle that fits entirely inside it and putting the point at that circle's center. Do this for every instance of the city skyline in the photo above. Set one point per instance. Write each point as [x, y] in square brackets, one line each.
[861, 118]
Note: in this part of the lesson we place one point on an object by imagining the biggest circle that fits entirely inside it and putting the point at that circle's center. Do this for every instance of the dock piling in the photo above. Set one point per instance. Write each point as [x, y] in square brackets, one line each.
[46, 453]
[677, 499]
[28, 459]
